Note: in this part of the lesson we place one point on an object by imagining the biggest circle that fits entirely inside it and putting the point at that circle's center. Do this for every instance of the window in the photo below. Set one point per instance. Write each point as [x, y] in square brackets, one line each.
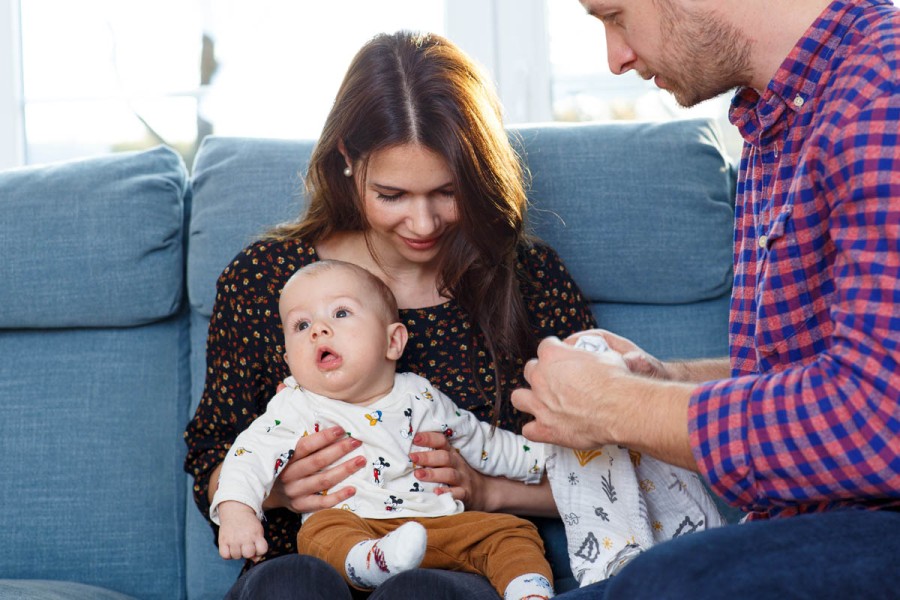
[106, 75]
[96, 76]
[584, 89]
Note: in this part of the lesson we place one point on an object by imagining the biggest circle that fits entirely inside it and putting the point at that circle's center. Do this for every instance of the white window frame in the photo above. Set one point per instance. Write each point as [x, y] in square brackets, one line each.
[511, 39]
[508, 37]
[12, 124]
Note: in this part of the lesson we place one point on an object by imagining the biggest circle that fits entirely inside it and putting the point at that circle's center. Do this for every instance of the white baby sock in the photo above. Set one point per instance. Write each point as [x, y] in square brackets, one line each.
[530, 586]
[371, 562]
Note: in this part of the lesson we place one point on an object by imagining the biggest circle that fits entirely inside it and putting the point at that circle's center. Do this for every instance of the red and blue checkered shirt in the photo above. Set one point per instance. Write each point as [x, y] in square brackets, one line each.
[810, 420]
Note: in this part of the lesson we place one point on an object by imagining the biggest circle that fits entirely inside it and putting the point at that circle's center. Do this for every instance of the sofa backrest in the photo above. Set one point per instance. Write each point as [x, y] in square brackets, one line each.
[641, 213]
[94, 383]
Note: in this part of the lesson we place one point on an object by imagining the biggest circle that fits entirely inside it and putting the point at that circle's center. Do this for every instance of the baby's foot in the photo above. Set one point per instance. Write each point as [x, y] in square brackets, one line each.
[371, 562]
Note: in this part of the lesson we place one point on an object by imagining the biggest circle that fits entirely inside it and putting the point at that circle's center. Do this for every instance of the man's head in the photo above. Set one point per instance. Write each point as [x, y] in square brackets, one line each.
[342, 336]
[687, 47]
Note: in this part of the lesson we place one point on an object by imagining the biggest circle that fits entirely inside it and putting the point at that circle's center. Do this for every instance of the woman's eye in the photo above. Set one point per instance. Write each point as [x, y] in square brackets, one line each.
[386, 198]
[341, 313]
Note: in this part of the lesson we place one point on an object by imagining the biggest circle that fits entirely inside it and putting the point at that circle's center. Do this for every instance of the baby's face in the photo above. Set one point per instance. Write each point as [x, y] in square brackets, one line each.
[337, 337]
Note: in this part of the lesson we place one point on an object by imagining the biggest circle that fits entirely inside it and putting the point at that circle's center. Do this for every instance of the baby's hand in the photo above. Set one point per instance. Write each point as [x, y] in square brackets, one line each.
[240, 532]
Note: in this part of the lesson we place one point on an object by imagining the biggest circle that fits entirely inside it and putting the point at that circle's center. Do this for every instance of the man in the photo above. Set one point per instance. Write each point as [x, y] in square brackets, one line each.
[802, 424]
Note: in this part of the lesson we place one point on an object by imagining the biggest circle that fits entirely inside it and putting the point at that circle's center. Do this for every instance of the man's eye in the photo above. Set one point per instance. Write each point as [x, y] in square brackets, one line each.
[341, 313]
[611, 19]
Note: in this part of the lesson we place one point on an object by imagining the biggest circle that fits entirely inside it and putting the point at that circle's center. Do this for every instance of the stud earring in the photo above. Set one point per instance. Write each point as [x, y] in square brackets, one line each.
[348, 171]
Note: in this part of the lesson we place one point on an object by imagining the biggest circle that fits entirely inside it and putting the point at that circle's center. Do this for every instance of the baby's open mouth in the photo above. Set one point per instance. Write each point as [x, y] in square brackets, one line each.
[326, 358]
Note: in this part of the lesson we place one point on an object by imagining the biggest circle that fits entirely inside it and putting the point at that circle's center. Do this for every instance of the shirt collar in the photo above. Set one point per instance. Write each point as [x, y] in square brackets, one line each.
[801, 73]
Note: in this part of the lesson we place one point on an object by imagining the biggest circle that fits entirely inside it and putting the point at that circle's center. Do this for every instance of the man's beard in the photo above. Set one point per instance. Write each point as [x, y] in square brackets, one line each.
[708, 58]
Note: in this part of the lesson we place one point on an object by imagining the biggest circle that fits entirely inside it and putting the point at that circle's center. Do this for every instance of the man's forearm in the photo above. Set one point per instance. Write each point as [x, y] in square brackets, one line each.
[699, 371]
[654, 420]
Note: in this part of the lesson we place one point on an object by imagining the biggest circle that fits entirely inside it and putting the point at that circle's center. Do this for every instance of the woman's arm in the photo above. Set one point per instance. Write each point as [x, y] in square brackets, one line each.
[443, 464]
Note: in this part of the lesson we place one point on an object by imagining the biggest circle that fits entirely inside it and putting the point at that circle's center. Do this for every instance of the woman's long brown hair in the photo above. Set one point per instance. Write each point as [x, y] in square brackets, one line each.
[420, 88]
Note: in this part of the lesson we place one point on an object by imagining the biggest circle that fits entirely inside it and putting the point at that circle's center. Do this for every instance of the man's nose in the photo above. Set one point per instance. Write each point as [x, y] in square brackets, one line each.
[618, 53]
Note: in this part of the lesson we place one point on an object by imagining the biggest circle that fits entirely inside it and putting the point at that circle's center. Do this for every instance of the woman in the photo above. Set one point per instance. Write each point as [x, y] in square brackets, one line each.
[413, 178]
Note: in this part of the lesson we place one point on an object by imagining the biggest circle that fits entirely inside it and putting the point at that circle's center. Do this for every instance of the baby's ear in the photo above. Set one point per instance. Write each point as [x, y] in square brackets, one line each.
[397, 338]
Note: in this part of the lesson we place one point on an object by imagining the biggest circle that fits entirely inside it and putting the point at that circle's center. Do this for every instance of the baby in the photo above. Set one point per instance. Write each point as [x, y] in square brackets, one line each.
[342, 341]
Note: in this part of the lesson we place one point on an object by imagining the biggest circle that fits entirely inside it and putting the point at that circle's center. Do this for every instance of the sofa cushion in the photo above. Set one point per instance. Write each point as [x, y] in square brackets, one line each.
[636, 209]
[104, 233]
[240, 188]
[93, 489]
[20, 589]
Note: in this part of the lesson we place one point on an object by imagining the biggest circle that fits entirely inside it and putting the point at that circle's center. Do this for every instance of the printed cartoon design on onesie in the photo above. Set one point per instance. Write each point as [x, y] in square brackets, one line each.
[242, 451]
[375, 418]
[393, 504]
[407, 432]
[378, 467]
[448, 432]
[282, 461]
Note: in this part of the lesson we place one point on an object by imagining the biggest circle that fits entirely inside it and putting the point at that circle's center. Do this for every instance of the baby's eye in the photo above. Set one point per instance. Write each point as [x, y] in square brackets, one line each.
[301, 325]
[341, 313]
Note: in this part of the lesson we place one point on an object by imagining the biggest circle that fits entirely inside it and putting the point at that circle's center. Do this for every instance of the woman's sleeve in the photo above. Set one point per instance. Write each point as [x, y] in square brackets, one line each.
[555, 303]
[237, 382]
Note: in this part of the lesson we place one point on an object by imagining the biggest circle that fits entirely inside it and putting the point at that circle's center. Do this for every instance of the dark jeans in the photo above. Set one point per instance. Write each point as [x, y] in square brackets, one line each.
[298, 577]
[842, 554]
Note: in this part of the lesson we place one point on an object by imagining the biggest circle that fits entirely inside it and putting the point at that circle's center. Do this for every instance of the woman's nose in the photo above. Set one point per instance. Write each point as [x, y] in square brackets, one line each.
[424, 219]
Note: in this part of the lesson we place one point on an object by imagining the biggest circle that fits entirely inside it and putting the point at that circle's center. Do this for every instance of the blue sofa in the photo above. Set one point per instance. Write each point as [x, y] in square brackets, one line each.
[108, 283]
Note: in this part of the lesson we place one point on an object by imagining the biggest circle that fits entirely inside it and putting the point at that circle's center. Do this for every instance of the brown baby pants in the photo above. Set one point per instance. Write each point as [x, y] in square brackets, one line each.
[499, 546]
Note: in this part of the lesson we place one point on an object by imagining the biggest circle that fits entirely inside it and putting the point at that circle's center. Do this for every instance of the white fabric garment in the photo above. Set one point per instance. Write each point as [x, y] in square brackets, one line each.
[616, 503]
[386, 488]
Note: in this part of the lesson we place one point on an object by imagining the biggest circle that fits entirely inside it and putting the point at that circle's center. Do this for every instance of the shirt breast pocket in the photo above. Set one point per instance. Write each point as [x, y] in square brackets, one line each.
[785, 312]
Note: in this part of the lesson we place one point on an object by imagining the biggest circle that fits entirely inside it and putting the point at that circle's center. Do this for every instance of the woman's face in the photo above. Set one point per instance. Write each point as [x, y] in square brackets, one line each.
[410, 203]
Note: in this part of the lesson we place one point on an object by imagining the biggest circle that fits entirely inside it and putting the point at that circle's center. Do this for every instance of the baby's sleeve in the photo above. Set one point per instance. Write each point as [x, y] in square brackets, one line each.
[492, 451]
[257, 457]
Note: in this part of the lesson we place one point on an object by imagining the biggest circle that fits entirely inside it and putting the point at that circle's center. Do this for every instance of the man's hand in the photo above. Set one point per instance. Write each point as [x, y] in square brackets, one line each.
[569, 396]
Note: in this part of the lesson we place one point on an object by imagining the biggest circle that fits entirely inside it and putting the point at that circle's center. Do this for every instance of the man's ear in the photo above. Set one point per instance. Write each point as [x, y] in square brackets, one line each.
[397, 338]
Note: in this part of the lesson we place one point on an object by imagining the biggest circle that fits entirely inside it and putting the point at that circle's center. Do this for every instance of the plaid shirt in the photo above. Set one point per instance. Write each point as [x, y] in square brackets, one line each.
[810, 420]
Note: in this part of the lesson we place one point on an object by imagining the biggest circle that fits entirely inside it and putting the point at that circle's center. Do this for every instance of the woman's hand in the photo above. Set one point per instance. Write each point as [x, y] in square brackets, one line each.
[444, 465]
[299, 486]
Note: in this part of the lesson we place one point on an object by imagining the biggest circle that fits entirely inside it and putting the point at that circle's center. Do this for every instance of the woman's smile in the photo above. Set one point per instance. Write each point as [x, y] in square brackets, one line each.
[421, 245]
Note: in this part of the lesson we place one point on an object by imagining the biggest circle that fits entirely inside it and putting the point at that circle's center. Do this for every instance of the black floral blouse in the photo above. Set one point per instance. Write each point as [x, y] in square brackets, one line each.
[245, 365]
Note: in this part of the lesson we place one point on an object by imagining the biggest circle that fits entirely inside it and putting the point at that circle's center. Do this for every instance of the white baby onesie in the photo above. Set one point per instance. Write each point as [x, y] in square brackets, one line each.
[386, 488]
[616, 503]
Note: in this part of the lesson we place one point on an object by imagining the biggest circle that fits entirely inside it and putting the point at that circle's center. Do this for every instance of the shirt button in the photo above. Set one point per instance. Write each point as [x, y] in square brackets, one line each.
[798, 101]
[763, 241]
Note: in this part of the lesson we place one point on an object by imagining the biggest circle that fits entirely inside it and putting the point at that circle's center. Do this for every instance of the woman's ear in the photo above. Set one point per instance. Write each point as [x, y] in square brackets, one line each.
[343, 150]
[397, 338]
